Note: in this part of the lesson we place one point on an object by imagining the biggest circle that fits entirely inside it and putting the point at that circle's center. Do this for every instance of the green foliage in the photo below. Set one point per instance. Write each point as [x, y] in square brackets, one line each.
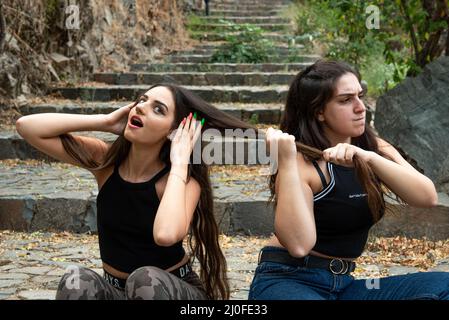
[195, 20]
[51, 11]
[254, 119]
[313, 19]
[244, 44]
[408, 38]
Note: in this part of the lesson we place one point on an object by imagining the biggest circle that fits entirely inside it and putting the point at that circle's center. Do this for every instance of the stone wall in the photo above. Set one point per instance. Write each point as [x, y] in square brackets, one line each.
[54, 42]
[415, 117]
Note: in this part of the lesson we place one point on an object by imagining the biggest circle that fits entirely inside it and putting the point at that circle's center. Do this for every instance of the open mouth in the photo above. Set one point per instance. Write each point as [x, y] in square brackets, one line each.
[136, 122]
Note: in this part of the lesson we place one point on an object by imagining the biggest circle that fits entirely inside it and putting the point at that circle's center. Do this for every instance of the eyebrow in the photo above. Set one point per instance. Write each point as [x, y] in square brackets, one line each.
[162, 104]
[157, 101]
[350, 93]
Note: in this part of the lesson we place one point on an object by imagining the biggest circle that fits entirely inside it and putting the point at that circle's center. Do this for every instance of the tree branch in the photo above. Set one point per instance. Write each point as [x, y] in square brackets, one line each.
[411, 29]
[433, 48]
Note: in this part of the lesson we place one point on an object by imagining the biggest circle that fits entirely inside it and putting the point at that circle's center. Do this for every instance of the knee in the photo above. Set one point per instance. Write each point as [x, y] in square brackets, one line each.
[435, 285]
[445, 280]
[76, 283]
[144, 283]
[145, 275]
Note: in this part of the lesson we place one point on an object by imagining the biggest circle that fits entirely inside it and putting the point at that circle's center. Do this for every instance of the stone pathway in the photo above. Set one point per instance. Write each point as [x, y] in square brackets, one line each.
[31, 264]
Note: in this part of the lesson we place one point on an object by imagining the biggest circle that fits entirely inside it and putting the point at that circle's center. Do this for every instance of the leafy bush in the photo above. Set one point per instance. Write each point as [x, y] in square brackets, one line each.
[410, 35]
[244, 44]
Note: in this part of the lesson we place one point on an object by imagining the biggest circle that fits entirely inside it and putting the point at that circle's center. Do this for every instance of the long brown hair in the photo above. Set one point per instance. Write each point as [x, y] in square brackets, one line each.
[309, 93]
[204, 233]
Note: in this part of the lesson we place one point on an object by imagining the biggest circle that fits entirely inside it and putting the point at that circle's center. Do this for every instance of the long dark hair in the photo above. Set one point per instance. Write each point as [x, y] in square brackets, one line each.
[309, 92]
[203, 236]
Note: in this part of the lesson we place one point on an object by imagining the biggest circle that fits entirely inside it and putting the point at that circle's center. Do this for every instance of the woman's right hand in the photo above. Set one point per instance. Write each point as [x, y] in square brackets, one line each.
[286, 146]
[117, 120]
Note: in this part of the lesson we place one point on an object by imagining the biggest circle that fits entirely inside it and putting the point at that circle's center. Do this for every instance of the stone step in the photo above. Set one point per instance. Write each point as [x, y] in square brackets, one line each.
[214, 45]
[250, 6]
[13, 146]
[219, 67]
[274, 37]
[292, 57]
[207, 52]
[196, 78]
[255, 7]
[252, 2]
[210, 48]
[54, 196]
[263, 112]
[57, 196]
[221, 27]
[242, 13]
[242, 94]
[252, 20]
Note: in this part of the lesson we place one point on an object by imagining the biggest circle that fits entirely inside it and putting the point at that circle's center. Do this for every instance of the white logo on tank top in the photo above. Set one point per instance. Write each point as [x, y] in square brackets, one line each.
[357, 195]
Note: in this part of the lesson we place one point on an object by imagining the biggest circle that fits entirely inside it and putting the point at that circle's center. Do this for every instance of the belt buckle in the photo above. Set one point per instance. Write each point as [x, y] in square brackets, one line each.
[344, 266]
[259, 257]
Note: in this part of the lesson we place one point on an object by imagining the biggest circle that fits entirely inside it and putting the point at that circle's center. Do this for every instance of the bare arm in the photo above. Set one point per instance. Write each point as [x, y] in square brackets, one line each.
[398, 175]
[180, 199]
[176, 208]
[294, 220]
[410, 185]
[42, 131]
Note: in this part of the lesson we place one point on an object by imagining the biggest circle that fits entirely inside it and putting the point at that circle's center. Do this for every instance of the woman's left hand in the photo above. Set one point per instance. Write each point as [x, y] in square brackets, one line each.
[343, 154]
[184, 140]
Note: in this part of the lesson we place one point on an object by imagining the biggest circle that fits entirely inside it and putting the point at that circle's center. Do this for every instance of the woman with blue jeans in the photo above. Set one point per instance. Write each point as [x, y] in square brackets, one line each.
[329, 188]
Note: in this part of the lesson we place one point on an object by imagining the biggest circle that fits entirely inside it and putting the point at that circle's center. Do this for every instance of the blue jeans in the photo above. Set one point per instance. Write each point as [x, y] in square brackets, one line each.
[276, 281]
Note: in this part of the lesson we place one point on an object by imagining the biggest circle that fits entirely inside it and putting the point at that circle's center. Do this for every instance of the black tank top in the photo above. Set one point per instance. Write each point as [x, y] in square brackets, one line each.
[125, 218]
[342, 215]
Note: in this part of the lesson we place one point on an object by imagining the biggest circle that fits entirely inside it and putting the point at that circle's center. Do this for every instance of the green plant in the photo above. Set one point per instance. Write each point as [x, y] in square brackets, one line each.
[51, 12]
[410, 35]
[254, 119]
[195, 20]
[244, 44]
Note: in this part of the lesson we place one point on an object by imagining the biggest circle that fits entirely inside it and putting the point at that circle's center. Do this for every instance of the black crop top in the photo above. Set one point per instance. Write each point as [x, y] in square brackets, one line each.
[125, 218]
[342, 215]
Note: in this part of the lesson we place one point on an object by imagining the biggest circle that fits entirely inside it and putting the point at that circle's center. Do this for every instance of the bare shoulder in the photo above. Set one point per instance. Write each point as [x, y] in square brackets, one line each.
[306, 168]
[97, 149]
[103, 175]
[391, 152]
[386, 147]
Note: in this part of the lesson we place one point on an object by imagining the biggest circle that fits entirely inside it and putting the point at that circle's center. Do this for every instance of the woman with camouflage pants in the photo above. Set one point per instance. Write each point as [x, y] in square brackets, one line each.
[150, 196]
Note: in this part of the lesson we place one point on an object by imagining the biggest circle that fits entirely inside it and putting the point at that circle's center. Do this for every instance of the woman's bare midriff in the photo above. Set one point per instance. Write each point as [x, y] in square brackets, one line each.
[124, 275]
[274, 242]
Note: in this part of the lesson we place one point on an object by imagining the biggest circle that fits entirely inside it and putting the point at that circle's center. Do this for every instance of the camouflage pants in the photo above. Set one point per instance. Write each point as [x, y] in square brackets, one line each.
[146, 283]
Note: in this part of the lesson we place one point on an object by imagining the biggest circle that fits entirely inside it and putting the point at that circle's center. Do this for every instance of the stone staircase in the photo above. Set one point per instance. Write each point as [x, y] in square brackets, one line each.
[53, 196]
[50, 196]
[247, 91]
[47, 195]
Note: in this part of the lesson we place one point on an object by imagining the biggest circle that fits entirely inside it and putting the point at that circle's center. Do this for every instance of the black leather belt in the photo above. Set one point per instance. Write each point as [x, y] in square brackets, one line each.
[336, 266]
